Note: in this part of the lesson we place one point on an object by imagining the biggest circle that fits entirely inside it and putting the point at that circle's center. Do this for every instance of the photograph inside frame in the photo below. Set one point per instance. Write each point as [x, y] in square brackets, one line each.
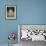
[10, 11]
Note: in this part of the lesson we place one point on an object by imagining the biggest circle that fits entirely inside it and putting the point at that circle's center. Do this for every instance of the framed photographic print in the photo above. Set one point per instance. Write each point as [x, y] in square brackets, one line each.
[10, 12]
